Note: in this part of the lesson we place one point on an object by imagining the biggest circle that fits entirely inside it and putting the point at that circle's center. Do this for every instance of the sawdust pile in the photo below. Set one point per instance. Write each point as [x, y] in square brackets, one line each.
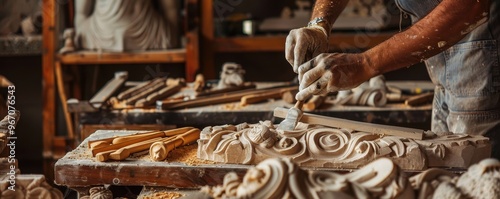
[163, 195]
[187, 155]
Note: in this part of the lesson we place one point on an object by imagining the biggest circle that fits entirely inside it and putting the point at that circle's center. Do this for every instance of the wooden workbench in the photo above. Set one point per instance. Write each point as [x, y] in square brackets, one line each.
[78, 169]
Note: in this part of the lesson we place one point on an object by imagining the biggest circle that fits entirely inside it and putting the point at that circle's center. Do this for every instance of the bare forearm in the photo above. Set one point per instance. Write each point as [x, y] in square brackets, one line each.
[329, 10]
[447, 24]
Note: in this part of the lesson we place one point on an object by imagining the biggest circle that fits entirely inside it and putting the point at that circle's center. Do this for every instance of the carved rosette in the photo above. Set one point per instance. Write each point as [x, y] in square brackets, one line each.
[280, 178]
[319, 146]
[29, 186]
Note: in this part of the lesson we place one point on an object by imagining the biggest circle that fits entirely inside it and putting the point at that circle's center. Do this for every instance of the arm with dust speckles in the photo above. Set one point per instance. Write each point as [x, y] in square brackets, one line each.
[444, 26]
[329, 10]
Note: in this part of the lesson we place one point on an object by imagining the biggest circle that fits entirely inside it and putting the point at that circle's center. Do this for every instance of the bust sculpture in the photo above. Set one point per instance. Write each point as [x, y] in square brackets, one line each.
[126, 25]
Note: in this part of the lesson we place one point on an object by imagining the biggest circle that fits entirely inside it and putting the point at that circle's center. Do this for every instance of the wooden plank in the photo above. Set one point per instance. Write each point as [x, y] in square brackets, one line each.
[143, 57]
[88, 129]
[420, 99]
[78, 169]
[48, 80]
[219, 99]
[276, 43]
[109, 89]
[358, 126]
[226, 90]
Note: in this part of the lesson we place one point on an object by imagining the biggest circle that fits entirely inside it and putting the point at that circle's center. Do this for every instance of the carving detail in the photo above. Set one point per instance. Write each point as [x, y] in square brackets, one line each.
[319, 146]
[280, 178]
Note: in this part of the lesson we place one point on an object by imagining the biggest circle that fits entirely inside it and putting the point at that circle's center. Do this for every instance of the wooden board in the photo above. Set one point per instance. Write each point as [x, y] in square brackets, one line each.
[90, 57]
[358, 126]
[78, 169]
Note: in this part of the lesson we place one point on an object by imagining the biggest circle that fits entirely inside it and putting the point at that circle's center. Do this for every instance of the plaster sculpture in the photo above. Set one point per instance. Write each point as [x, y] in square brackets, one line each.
[319, 146]
[280, 178]
[231, 75]
[69, 44]
[29, 186]
[370, 93]
[480, 181]
[126, 25]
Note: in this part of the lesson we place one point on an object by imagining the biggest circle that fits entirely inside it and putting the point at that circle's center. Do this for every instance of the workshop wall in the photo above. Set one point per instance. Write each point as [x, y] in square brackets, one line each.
[26, 74]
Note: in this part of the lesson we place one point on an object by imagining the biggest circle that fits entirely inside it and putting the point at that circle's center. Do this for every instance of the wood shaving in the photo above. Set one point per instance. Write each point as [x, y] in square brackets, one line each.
[187, 155]
[163, 195]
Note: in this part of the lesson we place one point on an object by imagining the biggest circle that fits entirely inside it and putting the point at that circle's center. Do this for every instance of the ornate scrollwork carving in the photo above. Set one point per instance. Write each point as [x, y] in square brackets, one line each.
[319, 146]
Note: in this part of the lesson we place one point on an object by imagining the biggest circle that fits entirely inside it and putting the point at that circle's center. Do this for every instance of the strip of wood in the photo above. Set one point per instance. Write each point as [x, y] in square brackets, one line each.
[245, 86]
[420, 99]
[256, 98]
[412, 133]
[219, 99]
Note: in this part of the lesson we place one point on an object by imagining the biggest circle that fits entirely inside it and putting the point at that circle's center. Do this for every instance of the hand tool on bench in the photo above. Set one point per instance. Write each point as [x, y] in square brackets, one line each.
[159, 150]
[292, 117]
[132, 139]
[124, 152]
[354, 125]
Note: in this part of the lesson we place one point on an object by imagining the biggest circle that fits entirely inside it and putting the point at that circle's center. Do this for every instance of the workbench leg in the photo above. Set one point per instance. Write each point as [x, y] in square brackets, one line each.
[64, 99]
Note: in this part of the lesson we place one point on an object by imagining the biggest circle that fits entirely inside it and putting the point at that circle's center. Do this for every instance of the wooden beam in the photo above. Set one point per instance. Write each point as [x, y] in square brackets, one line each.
[192, 39]
[207, 39]
[48, 80]
[143, 57]
[276, 43]
[412, 133]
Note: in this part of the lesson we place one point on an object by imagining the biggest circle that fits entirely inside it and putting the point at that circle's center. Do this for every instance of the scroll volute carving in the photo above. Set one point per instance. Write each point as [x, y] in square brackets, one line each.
[319, 146]
[280, 178]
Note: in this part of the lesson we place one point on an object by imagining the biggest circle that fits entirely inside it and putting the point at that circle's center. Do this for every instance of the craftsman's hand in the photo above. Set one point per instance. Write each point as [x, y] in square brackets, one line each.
[330, 72]
[305, 43]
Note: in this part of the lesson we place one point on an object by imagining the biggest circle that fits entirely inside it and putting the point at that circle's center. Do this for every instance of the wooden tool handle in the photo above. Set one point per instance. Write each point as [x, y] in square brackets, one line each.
[103, 156]
[315, 102]
[419, 99]
[128, 142]
[99, 144]
[124, 152]
[299, 104]
[255, 98]
[122, 139]
[177, 131]
[159, 150]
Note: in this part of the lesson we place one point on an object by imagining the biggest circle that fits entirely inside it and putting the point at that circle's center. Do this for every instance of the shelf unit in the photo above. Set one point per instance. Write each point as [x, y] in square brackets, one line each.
[268, 43]
[53, 64]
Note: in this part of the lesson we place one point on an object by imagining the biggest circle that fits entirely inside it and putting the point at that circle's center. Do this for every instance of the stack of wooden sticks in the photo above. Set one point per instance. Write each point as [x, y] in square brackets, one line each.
[159, 143]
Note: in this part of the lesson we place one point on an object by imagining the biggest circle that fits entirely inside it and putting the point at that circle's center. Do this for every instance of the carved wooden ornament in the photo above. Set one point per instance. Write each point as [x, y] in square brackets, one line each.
[280, 178]
[319, 146]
